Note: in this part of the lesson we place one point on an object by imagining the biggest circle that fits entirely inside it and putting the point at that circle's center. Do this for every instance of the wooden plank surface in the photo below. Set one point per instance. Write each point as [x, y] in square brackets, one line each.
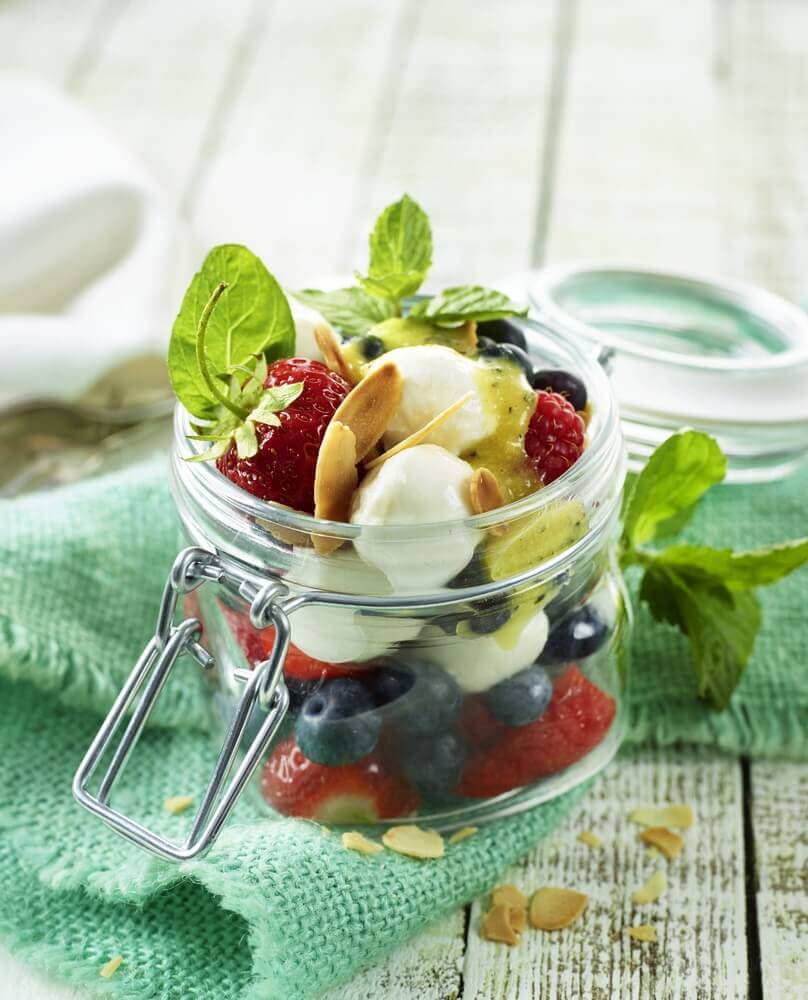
[702, 913]
[779, 807]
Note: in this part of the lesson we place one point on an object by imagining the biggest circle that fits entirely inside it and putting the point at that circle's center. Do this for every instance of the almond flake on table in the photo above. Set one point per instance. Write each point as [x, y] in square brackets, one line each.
[651, 889]
[497, 925]
[553, 909]
[414, 842]
[177, 804]
[111, 967]
[669, 843]
[643, 932]
[352, 840]
[463, 834]
[590, 839]
[509, 895]
[677, 815]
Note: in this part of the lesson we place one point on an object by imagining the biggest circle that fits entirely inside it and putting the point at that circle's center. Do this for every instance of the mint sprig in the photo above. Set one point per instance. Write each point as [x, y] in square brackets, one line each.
[400, 256]
[232, 399]
[252, 318]
[707, 593]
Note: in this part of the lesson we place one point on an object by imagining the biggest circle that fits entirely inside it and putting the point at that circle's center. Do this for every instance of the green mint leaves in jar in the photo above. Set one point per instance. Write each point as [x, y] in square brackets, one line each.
[706, 593]
[400, 257]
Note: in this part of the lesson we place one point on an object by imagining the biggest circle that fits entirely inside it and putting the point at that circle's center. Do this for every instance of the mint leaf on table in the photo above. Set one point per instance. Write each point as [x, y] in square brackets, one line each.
[252, 318]
[467, 302]
[400, 251]
[675, 477]
[704, 592]
[721, 625]
[351, 310]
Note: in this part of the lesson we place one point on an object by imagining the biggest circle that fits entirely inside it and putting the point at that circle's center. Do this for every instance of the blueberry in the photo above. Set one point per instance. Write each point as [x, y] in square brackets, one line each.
[430, 706]
[389, 682]
[562, 382]
[512, 353]
[371, 346]
[522, 698]
[502, 332]
[337, 724]
[434, 766]
[578, 635]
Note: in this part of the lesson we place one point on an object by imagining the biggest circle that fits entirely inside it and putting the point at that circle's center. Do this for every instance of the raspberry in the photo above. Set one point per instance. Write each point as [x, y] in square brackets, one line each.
[555, 436]
[283, 469]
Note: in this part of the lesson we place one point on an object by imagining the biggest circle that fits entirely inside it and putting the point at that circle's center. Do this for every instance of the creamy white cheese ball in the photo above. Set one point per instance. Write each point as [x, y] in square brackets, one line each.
[305, 320]
[343, 635]
[479, 662]
[420, 485]
[434, 378]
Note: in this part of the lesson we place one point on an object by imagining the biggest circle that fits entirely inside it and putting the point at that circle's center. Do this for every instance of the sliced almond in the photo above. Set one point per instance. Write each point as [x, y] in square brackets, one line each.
[518, 917]
[331, 350]
[354, 841]
[468, 337]
[421, 435]
[111, 967]
[485, 492]
[496, 925]
[177, 804]
[463, 834]
[414, 842]
[369, 406]
[510, 896]
[335, 480]
[678, 815]
[668, 842]
[590, 839]
[553, 909]
[651, 889]
[643, 932]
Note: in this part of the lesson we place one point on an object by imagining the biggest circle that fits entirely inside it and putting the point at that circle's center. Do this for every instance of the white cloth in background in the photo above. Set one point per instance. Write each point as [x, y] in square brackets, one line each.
[92, 261]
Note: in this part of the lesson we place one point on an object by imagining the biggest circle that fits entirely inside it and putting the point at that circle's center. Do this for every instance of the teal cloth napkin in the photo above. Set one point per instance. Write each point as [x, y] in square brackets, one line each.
[277, 908]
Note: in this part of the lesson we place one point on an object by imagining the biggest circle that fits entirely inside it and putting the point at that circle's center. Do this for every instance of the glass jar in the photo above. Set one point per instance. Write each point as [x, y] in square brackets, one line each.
[477, 666]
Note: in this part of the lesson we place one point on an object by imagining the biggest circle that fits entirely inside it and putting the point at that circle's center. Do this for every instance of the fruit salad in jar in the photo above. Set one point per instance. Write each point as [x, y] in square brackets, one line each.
[421, 434]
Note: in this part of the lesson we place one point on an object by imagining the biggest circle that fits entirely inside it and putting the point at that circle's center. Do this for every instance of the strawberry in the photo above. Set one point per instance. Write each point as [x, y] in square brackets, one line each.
[477, 725]
[576, 720]
[355, 793]
[282, 468]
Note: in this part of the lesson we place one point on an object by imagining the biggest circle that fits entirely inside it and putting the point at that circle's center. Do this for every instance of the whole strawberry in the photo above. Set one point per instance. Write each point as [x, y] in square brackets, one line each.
[555, 436]
[282, 469]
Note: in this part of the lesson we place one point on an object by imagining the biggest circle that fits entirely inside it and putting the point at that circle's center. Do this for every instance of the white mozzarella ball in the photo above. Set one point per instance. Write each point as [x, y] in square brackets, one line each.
[479, 662]
[344, 635]
[423, 485]
[305, 320]
[434, 378]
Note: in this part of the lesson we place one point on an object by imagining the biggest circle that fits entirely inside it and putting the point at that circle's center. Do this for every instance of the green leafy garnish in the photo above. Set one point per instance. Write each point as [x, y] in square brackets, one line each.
[466, 302]
[352, 310]
[252, 319]
[704, 592]
[400, 258]
[215, 373]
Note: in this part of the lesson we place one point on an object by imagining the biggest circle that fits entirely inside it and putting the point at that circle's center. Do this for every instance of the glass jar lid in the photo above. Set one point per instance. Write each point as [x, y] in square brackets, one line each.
[685, 350]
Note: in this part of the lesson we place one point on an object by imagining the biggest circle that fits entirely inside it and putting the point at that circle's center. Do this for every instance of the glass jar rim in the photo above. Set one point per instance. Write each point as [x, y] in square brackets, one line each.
[603, 451]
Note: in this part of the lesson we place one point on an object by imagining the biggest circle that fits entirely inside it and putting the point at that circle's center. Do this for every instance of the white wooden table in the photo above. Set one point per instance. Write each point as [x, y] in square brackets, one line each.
[671, 133]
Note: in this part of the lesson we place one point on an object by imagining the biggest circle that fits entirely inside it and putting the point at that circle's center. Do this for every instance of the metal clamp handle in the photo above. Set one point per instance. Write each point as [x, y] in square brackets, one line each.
[264, 686]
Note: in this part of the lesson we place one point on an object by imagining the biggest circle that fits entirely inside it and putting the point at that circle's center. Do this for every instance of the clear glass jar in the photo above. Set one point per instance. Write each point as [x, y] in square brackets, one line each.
[485, 657]
[434, 617]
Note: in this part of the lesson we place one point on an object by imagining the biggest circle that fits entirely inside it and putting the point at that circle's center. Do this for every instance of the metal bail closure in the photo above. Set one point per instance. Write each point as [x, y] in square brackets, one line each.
[263, 686]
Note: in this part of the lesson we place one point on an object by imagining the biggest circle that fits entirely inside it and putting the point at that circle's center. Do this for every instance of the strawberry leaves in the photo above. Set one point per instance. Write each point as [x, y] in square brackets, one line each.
[706, 593]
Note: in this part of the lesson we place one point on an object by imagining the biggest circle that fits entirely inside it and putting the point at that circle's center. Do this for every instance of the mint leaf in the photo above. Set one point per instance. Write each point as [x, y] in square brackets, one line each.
[467, 302]
[272, 401]
[400, 251]
[253, 317]
[720, 623]
[676, 476]
[737, 570]
[352, 310]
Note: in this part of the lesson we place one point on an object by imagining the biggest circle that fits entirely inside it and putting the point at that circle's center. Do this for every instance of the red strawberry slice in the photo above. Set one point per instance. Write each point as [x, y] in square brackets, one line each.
[576, 720]
[356, 793]
[257, 646]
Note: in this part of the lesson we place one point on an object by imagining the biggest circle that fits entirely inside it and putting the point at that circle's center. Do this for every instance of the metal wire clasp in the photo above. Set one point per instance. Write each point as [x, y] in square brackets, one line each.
[263, 686]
